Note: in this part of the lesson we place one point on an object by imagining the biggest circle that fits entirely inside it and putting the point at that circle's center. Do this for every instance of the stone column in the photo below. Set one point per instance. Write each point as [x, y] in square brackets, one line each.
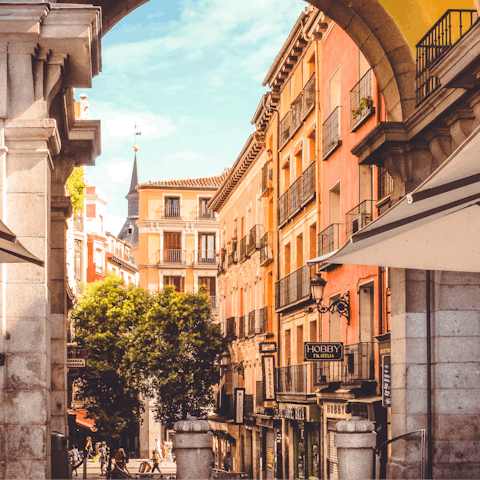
[193, 448]
[355, 441]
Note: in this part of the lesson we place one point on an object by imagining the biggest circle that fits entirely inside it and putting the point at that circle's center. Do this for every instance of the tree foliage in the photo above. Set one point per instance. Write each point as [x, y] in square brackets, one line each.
[161, 345]
[76, 188]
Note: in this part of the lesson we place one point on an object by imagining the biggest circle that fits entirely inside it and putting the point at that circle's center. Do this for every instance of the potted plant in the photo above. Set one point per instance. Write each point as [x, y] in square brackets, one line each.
[365, 102]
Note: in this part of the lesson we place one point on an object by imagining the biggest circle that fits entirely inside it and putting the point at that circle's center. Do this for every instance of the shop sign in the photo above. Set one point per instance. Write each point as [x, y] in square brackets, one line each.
[386, 382]
[335, 410]
[268, 347]
[239, 405]
[268, 367]
[76, 356]
[76, 362]
[295, 413]
[324, 351]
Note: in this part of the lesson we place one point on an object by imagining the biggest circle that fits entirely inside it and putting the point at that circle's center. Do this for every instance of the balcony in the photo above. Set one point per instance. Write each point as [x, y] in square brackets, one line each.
[172, 211]
[171, 255]
[267, 178]
[284, 128]
[254, 238]
[293, 289]
[331, 134]
[206, 257]
[266, 249]
[329, 239]
[251, 323]
[241, 327]
[358, 217]
[283, 208]
[358, 366]
[232, 256]
[435, 44]
[266, 317]
[361, 101]
[292, 379]
[308, 185]
[231, 331]
[222, 263]
[213, 302]
[243, 249]
[308, 97]
[205, 213]
[296, 109]
[295, 199]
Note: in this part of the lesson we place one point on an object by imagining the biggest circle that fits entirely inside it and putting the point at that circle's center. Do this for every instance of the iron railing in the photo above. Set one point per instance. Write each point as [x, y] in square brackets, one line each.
[284, 129]
[241, 327]
[283, 208]
[308, 97]
[358, 217]
[292, 379]
[293, 288]
[266, 249]
[296, 109]
[213, 302]
[329, 239]
[243, 249]
[357, 366]
[267, 177]
[232, 256]
[266, 315]
[173, 255]
[172, 211]
[331, 133]
[222, 262]
[361, 101]
[251, 322]
[308, 186]
[206, 256]
[385, 183]
[295, 196]
[254, 238]
[435, 44]
[205, 213]
[231, 328]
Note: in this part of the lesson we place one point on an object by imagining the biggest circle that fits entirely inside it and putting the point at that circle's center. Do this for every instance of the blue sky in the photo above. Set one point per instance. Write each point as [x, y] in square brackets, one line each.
[190, 74]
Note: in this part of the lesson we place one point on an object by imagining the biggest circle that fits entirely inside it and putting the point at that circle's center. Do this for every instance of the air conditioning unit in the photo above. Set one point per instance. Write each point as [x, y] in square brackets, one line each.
[360, 221]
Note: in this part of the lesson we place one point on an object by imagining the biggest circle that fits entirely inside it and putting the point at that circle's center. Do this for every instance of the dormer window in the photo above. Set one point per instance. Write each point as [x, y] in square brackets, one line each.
[130, 229]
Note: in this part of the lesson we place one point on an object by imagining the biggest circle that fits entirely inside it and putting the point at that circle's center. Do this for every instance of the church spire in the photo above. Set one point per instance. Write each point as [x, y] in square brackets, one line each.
[134, 182]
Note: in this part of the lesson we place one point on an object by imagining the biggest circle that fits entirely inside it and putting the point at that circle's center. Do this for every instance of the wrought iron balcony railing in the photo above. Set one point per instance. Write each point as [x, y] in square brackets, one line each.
[254, 238]
[172, 211]
[296, 192]
[329, 239]
[283, 208]
[308, 97]
[231, 328]
[266, 318]
[205, 213]
[358, 366]
[293, 288]
[296, 109]
[292, 379]
[266, 249]
[331, 133]
[361, 101]
[284, 129]
[222, 262]
[385, 183]
[358, 217]
[213, 302]
[243, 249]
[241, 327]
[207, 256]
[435, 44]
[232, 256]
[308, 184]
[251, 322]
[172, 255]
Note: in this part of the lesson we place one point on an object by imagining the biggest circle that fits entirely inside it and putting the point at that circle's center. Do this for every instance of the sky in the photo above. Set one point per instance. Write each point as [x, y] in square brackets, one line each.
[190, 74]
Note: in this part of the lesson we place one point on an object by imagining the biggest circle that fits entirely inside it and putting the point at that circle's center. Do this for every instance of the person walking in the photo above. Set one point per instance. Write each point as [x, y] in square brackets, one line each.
[74, 457]
[227, 462]
[121, 459]
[102, 455]
[108, 473]
[88, 448]
[156, 461]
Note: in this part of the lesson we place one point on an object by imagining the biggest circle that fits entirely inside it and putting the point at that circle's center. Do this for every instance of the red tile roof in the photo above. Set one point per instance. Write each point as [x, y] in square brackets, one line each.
[213, 181]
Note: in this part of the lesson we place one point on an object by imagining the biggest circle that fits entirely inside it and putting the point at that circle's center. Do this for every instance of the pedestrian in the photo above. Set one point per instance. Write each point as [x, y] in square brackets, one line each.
[102, 453]
[109, 463]
[164, 452]
[156, 461]
[74, 457]
[227, 462]
[88, 448]
[121, 459]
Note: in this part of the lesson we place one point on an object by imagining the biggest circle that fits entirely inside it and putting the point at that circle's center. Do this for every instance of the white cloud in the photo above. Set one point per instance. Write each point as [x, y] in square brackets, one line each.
[113, 224]
[184, 155]
[119, 172]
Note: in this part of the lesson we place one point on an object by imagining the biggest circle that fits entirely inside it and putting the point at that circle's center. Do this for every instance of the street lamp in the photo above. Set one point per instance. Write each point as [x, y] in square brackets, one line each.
[341, 306]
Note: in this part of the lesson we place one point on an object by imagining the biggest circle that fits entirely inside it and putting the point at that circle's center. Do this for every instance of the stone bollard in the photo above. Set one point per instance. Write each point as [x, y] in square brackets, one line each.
[192, 443]
[355, 440]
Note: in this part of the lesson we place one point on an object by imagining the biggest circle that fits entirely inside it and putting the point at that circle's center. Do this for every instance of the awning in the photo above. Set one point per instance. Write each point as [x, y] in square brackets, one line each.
[436, 227]
[12, 251]
[82, 420]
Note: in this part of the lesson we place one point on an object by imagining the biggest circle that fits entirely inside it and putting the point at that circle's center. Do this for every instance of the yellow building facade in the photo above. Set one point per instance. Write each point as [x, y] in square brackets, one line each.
[179, 235]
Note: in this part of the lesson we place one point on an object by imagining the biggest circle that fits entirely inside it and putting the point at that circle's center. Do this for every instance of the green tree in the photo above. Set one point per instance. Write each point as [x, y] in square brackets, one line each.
[174, 354]
[76, 188]
[104, 320]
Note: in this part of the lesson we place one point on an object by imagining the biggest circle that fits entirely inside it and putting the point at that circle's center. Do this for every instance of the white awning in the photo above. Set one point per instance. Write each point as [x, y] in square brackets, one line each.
[12, 251]
[436, 227]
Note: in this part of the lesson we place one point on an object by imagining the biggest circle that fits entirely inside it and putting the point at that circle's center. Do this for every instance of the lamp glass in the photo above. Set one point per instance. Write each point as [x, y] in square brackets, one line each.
[317, 286]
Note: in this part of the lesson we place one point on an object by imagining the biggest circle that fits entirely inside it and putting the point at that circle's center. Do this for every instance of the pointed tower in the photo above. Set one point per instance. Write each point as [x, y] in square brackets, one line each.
[129, 231]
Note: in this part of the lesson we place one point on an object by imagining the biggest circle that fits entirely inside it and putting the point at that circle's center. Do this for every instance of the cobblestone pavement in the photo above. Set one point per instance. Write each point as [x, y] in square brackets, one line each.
[93, 469]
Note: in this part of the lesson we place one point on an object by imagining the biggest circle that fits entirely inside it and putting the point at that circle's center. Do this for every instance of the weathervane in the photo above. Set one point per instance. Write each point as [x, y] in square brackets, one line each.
[135, 133]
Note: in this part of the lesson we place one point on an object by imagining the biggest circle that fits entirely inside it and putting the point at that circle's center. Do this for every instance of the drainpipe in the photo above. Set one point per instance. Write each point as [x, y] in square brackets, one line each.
[429, 381]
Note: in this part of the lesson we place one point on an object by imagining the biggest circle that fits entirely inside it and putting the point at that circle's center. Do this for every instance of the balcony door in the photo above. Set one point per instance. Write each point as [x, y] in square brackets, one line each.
[172, 207]
[209, 283]
[206, 247]
[172, 247]
[177, 282]
[205, 212]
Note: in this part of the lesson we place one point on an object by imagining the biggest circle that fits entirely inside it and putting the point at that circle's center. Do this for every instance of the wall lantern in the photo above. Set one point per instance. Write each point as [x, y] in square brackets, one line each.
[340, 306]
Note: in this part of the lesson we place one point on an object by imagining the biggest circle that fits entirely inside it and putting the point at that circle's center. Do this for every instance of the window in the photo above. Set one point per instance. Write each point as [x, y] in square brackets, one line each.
[78, 260]
[286, 176]
[172, 247]
[288, 347]
[366, 312]
[177, 282]
[98, 261]
[335, 323]
[204, 211]
[299, 251]
[334, 91]
[313, 331]
[209, 283]
[312, 146]
[172, 207]
[313, 241]
[287, 259]
[334, 204]
[300, 348]
[298, 163]
[206, 247]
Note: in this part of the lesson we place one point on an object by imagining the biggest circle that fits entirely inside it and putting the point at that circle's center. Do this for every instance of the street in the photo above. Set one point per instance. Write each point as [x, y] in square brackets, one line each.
[93, 469]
